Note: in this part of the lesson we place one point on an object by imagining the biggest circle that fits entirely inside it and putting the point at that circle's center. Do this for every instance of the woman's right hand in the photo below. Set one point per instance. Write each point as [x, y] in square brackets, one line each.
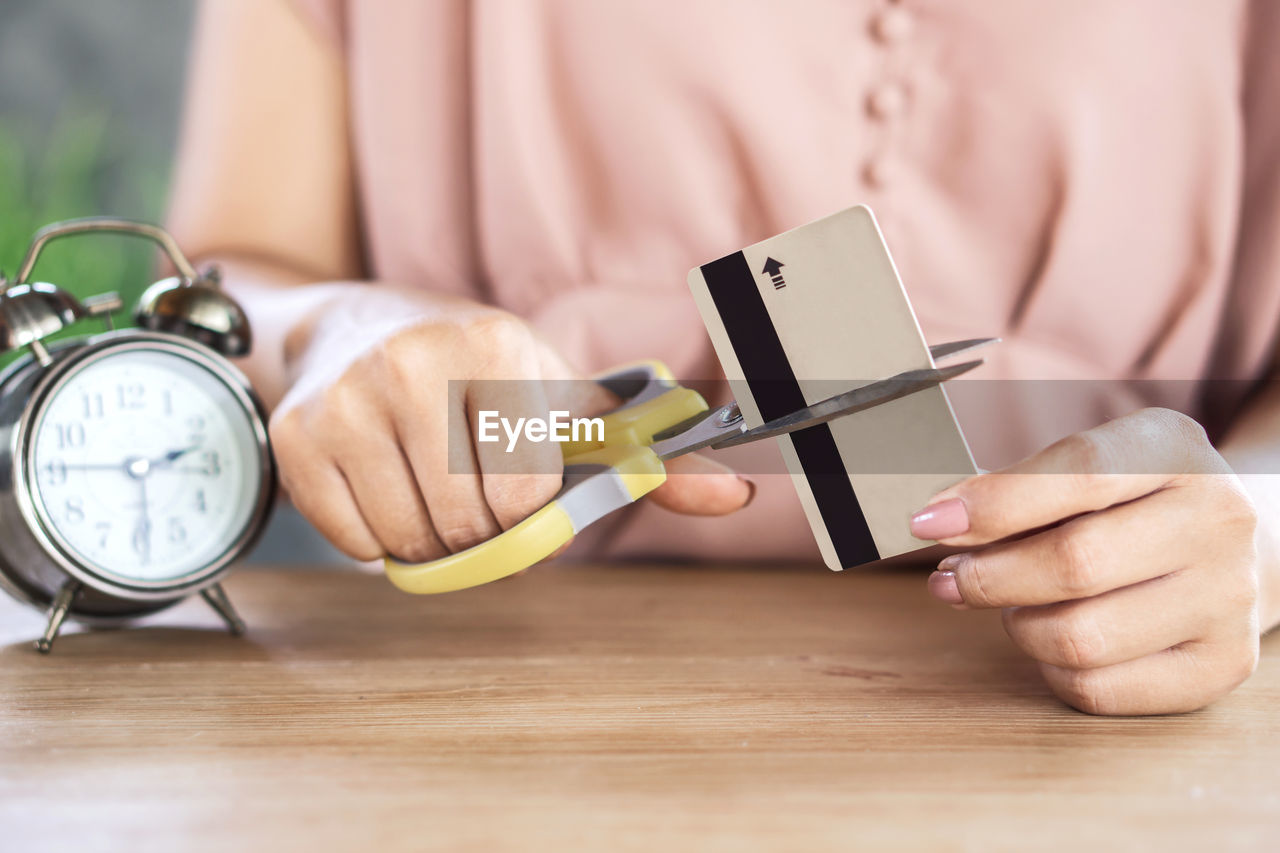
[374, 439]
[367, 427]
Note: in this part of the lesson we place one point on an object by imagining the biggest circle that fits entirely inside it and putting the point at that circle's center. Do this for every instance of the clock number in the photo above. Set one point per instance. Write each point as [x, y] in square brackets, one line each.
[195, 423]
[55, 472]
[200, 504]
[104, 529]
[93, 407]
[167, 400]
[142, 539]
[177, 533]
[74, 509]
[209, 462]
[70, 436]
[130, 396]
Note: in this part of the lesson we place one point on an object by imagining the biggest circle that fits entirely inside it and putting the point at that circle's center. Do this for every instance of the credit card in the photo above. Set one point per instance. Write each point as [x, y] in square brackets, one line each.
[806, 315]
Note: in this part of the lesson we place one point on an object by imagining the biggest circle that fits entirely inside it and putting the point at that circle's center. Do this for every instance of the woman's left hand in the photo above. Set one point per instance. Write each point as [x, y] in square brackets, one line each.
[1123, 558]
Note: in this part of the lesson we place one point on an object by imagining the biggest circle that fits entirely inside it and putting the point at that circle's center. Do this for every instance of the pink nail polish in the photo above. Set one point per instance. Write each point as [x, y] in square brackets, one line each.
[943, 586]
[941, 520]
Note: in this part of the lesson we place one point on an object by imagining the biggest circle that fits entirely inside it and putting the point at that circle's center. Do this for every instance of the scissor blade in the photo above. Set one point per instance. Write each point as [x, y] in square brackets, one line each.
[857, 400]
[941, 351]
[699, 431]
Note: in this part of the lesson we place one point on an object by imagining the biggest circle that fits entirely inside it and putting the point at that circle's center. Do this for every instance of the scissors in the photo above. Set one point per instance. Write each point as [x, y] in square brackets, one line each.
[658, 420]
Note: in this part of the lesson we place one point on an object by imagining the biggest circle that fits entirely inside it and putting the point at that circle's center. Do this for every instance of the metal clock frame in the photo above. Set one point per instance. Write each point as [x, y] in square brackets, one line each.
[188, 315]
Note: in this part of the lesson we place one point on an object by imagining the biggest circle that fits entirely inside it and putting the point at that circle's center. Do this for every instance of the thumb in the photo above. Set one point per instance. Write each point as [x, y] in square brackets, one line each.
[697, 485]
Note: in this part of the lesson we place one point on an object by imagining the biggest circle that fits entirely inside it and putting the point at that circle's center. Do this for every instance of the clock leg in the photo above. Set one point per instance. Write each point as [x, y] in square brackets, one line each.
[217, 598]
[57, 614]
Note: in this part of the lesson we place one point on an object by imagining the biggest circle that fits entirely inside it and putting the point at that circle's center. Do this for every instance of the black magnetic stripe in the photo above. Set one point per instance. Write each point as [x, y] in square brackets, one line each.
[773, 384]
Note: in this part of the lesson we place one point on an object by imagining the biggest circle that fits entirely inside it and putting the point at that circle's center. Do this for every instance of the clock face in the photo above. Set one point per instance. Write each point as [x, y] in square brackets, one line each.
[144, 466]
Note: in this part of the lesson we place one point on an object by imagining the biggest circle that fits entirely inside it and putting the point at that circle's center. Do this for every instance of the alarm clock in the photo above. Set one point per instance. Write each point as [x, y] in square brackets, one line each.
[134, 464]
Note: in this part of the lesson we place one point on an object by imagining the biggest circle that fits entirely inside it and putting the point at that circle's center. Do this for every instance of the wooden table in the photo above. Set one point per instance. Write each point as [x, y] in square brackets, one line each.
[605, 707]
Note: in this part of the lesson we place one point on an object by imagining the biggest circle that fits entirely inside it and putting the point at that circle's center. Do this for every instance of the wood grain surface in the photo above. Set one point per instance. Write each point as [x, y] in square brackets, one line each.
[602, 707]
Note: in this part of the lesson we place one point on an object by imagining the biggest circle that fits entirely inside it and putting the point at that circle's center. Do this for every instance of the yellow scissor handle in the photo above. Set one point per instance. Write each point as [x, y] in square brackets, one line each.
[515, 549]
[600, 477]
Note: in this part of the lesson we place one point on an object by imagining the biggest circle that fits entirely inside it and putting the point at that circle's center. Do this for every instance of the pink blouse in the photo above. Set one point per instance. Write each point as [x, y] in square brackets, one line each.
[1096, 182]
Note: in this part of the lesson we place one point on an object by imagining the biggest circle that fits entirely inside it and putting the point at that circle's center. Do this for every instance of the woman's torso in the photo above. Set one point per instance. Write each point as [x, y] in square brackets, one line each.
[1066, 174]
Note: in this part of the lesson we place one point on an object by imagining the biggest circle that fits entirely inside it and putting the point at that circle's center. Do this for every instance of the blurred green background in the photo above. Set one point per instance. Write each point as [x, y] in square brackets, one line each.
[90, 100]
[90, 94]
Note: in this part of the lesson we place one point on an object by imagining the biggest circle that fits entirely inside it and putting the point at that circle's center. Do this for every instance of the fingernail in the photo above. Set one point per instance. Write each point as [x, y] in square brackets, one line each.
[943, 586]
[952, 563]
[751, 490]
[941, 520]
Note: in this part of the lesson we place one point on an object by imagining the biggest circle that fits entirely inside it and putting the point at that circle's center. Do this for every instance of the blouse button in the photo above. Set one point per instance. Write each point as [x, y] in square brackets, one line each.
[887, 101]
[877, 172]
[892, 25]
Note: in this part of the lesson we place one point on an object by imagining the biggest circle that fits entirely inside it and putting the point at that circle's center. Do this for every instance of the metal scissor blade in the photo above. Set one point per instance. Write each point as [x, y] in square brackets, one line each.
[857, 400]
[941, 351]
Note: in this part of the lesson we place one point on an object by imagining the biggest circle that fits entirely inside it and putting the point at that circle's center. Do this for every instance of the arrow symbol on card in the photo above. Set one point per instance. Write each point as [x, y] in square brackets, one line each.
[773, 269]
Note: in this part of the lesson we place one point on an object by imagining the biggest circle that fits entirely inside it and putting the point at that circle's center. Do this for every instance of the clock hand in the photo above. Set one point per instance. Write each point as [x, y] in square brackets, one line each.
[172, 456]
[137, 467]
[142, 533]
